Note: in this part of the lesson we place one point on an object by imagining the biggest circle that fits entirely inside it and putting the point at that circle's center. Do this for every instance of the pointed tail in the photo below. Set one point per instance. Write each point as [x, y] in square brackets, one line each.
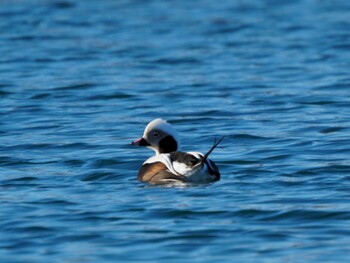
[211, 149]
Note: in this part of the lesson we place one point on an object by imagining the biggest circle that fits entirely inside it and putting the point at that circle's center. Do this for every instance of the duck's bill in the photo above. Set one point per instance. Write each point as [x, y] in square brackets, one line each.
[140, 142]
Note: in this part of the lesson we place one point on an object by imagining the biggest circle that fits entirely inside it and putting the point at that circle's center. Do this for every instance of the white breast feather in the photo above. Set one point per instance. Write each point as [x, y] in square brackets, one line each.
[181, 168]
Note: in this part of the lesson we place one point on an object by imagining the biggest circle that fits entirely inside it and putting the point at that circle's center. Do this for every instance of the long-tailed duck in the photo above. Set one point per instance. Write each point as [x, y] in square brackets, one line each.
[170, 164]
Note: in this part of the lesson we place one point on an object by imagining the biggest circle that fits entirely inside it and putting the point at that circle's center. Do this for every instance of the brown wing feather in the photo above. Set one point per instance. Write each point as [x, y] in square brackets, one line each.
[157, 173]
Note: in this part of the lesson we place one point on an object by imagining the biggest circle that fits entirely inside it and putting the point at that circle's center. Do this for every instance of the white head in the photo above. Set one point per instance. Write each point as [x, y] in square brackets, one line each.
[159, 136]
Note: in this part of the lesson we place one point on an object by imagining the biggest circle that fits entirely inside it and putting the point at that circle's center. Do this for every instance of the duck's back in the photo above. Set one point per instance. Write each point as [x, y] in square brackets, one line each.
[178, 167]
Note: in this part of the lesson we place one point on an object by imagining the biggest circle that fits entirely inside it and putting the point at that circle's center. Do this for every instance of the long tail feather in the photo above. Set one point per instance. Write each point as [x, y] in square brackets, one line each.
[211, 149]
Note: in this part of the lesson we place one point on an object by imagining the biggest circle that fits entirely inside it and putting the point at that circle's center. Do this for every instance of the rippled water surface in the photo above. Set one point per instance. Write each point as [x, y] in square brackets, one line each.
[80, 79]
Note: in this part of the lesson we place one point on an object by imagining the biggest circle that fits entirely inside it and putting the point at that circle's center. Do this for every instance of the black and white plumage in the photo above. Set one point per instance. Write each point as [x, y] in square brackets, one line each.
[170, 164]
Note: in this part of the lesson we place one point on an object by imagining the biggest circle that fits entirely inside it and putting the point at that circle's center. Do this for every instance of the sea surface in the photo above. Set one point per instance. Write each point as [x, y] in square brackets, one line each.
[79, 80]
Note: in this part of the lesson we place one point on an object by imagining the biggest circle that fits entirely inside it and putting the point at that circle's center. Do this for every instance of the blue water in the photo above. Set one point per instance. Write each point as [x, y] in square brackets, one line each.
[79, 80]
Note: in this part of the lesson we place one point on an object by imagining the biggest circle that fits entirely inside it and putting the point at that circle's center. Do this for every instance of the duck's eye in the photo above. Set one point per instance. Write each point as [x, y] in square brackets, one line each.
[155, 134]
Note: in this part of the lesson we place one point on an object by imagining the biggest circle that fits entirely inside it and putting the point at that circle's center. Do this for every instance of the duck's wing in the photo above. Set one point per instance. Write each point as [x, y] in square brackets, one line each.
[212, 168]
[208, 163]
[158, 173]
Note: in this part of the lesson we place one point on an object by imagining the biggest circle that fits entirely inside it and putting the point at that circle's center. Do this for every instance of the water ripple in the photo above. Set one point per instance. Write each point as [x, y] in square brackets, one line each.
[80, 80]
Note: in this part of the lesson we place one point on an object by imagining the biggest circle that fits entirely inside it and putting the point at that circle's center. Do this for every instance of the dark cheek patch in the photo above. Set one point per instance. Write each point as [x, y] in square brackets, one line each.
[167, 145]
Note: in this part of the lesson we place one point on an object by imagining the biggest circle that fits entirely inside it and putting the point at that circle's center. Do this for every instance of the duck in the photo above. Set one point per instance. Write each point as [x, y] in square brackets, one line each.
[170, 164]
